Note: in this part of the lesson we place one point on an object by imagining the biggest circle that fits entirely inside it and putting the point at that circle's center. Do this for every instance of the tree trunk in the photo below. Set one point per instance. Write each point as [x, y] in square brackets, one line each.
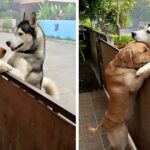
[118, 28]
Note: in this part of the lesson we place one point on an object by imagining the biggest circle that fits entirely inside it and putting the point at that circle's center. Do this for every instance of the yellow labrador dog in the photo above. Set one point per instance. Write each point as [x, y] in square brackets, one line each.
[124, 76]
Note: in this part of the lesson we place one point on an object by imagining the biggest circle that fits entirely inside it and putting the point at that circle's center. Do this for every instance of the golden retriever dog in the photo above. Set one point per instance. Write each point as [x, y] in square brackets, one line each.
[4, 67]
[124, 76]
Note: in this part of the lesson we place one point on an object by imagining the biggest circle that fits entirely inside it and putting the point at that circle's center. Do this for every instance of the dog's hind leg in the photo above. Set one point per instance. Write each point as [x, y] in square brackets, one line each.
[118, 137]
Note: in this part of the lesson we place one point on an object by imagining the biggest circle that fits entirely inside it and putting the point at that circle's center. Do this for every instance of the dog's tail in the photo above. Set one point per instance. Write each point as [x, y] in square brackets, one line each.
[50, 87]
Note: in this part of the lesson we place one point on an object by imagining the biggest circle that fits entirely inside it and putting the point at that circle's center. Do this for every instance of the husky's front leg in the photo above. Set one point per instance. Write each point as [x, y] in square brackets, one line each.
[144, 71]
[4, 67]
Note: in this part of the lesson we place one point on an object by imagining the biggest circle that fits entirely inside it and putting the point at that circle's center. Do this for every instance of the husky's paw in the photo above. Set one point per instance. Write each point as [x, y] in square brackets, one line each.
[145, 70]
[4, 67]
[140, 71]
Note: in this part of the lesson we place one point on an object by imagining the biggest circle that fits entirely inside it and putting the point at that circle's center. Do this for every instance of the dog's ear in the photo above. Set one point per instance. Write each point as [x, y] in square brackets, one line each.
[33, 19]
[127, 56]
[124, 57]
[24, 16]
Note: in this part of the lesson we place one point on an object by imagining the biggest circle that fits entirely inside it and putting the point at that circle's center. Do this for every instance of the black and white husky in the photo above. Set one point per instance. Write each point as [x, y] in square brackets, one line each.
[28, 45]
[142, 35]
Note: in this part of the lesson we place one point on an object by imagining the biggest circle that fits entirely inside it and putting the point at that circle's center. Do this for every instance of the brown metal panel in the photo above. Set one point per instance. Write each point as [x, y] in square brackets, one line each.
[94, 55]
[27, 124]
[139, 124]
[107, 53]
[43, 97]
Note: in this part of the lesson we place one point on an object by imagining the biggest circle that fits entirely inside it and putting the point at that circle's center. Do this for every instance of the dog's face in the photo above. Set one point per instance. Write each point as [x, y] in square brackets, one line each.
[2, 52]
[135, 54]
[23, 35]
[142, 35]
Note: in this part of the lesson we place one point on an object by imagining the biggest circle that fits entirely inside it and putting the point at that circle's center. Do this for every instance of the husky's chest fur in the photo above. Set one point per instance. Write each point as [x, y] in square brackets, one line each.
[30, 65]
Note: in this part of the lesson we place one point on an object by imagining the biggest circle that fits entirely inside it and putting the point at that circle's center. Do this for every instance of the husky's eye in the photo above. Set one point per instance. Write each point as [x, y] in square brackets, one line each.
[148, 31]
[20, 34]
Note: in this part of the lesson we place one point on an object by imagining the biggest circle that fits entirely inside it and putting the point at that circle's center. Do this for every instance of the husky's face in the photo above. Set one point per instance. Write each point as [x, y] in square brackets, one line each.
[142, 35]
[24, 35]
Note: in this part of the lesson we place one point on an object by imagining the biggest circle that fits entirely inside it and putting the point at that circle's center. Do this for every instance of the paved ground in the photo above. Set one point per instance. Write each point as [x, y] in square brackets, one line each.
[92, 106]
[60, 65]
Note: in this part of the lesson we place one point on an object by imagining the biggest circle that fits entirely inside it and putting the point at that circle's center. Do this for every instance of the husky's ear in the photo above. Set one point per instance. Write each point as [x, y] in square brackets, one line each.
[33, 19]
[24, 16]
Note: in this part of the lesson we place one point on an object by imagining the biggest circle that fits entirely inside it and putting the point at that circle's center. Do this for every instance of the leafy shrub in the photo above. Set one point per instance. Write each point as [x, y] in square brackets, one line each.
[69, 11]
[7, 23]
[120, 43]
[48, 11]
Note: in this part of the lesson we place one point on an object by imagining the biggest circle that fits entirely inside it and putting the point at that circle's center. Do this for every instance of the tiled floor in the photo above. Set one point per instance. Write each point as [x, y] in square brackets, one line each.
[92, 107]
[91, 110]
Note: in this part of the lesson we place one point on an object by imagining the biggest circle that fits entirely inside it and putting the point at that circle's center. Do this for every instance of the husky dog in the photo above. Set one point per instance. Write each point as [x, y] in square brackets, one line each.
[142, 35]
[28, 45]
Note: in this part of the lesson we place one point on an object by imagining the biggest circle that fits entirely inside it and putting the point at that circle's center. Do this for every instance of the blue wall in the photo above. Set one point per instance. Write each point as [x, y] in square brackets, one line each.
[63, 29]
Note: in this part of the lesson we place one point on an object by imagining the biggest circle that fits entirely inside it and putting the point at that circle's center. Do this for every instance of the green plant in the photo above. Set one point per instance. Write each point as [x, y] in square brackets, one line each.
[47, 11]
[69, 11]
[7, 23]
[120, 43]
[43, 12]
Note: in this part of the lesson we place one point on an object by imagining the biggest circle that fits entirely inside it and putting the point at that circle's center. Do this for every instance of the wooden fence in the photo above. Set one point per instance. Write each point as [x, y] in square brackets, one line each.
[31, 120]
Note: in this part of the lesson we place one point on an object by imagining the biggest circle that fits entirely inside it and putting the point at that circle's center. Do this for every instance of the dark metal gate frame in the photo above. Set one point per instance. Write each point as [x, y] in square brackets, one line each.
[92, 38]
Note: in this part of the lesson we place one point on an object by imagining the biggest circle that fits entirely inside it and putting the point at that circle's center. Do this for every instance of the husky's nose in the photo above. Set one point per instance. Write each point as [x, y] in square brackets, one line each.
[8, 43]
[133, 34]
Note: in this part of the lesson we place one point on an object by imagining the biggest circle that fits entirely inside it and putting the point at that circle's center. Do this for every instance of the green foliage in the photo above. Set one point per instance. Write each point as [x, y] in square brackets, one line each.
[120, 43]
[7, 23]
[6, 1]
[48, 11]
[86, 22]
[69, 11]
[103, 13]
[10, 14]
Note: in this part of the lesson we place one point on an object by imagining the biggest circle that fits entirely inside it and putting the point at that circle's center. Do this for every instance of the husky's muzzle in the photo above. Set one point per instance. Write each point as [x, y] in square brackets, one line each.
[13, 48]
